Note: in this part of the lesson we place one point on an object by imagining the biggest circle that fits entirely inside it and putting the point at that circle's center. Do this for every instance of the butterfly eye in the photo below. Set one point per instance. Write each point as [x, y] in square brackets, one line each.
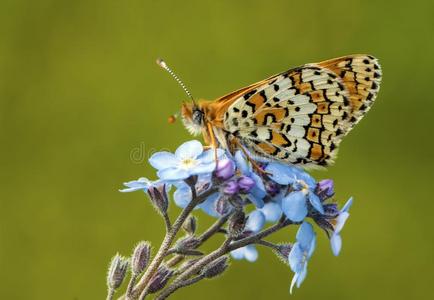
[197, 116]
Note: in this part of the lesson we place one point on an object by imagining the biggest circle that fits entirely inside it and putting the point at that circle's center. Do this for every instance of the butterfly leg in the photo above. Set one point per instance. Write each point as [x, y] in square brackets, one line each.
[255, 165]
[213, 140]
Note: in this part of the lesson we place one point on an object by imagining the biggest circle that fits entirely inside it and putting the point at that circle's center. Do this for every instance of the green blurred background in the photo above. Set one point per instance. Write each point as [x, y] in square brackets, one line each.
[80, 94]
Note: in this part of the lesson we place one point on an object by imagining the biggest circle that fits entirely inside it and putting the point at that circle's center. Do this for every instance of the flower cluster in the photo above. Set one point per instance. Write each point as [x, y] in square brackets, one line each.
[247, 194]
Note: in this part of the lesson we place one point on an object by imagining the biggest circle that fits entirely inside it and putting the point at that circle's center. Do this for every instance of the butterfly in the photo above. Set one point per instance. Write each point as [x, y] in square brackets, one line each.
[299, 116]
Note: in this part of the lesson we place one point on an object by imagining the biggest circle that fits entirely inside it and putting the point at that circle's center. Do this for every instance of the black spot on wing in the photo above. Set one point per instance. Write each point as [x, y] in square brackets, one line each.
[249, 94]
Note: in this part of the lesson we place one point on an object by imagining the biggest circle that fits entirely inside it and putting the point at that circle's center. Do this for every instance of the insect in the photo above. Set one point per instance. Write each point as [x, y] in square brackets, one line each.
[298, 116]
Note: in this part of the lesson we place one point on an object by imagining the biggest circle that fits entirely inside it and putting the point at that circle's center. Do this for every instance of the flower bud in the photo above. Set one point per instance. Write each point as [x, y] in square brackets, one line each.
[117, 271]
[272, 188]
[158, 196]
[216, 267]
[202, 187]
[236, 223]
[189, 225]
[140, 258]
[225, 169]
[246, 184]
[331, 210]
[282, 252]
[187, 264]
[236, 201]
[160, 279]
[231, 187]
[222, 205]
[325, 189]
[187, 243]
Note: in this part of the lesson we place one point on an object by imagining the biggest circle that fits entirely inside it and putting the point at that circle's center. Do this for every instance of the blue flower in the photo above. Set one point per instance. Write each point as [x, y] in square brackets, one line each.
[183, 195]
[335, 239]
[295, 204]
[257, 193]
[289, 175]
[141, 184]
[301, 252]
[255, 222]
[272, 211]
[189, 159]
[248, 253]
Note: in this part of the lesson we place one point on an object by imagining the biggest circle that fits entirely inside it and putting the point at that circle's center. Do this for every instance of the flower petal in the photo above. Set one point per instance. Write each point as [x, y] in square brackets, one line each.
[302, 175]
[208, 156]
[190, 149]
[305, 235]
[238, 253]
[208, 206]
[204, 168]
[311, 247]
[257, 201]
[173, 174]
[136, 185]
[182, 196]
[259, 184]
[280, 173]
[316, 202]
[132, 189]
[336, 243]
[302, 276]
[347, 205]
[294, 206]
[163, 160]
[256, 221]
[295, 258]
[250, 253]
[293, 281]
[257, 193]
[271, 211]
[340, 221]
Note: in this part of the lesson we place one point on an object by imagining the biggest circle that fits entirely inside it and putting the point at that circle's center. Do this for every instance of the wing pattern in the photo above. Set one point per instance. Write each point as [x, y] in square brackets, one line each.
[301, 115]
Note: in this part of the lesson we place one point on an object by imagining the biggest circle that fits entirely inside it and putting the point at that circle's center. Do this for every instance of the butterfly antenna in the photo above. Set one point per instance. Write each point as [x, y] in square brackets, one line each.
[163, 64]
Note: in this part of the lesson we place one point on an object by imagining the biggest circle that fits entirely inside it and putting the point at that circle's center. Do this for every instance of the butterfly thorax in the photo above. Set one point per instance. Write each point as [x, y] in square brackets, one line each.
[196, 116]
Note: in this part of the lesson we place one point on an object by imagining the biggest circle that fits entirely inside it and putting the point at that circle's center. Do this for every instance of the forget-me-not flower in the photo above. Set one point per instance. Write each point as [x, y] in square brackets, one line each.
[141, 184]
[335, 239]
[255, 222]
[183, 196]
[301, 252]
[189, 159]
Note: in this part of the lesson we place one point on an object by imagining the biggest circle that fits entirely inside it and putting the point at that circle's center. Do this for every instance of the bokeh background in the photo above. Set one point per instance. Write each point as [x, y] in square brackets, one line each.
[82, 104]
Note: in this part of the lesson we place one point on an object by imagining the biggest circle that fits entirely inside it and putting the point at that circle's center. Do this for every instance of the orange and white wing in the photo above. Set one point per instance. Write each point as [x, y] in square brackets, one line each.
[300, 116]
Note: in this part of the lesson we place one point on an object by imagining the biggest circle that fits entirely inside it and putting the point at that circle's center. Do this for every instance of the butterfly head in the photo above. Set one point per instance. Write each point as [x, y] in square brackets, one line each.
[191, 112]
[192, 117]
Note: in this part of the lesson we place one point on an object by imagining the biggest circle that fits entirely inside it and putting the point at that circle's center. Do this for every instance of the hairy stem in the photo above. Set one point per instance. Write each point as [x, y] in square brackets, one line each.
[168, 239]
[131, 283]
[206, 235]
[167, 222]
[268, 244]
[181, 285]
[110, 294]
[225, 248]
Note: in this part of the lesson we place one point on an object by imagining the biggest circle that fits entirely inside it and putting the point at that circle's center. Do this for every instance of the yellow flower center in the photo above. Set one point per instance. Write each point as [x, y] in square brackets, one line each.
[188, 163]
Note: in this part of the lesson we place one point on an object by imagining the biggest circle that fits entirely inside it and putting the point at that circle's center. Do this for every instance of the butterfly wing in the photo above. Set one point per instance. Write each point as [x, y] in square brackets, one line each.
[300, 116]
